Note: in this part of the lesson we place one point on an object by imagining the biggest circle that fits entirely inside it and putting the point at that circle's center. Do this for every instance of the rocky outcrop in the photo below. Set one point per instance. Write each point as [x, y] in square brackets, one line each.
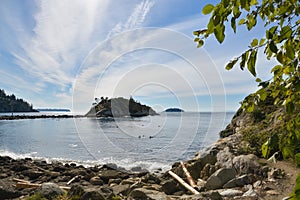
[220, 171]
[119, 107]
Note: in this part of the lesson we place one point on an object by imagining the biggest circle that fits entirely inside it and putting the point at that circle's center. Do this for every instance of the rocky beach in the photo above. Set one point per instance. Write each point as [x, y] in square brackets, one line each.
[220, 171]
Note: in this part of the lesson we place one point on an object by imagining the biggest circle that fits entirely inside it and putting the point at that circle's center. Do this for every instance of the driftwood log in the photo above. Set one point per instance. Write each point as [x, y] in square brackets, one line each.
[188, 175]
[183, 183]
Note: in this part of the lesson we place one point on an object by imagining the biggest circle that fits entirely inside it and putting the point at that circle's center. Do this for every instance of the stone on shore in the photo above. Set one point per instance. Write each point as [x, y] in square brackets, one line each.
[49, 190]
[219, 178]
[7, 191]
[141, 193]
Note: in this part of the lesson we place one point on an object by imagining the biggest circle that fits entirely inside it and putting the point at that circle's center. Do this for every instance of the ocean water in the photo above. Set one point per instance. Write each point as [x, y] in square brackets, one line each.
[150, 142]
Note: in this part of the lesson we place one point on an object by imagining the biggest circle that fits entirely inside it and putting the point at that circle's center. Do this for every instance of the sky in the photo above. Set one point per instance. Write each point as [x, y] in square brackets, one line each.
[65, 53]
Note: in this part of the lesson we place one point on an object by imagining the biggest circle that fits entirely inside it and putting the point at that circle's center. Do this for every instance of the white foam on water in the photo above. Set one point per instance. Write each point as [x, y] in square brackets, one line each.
[126, 163]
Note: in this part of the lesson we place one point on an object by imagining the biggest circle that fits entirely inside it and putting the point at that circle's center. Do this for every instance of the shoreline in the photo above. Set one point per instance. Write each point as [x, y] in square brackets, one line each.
[220, 171]
[17, 117]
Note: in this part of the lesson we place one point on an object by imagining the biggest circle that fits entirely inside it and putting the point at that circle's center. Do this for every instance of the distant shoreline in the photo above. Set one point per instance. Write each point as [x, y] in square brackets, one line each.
[16, 117]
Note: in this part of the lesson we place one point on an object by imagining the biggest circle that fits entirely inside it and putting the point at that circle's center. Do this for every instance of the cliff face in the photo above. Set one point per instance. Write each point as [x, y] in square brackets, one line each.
[119, 107]
[267, 129]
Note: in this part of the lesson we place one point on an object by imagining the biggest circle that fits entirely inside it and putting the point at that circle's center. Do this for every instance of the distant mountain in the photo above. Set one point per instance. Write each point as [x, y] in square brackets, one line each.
[119, 107]
[174, 110]
[53, 110]
[9, 103]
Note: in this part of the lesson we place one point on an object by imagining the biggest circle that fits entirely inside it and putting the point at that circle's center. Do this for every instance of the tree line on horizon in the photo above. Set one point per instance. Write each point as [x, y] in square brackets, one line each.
[10, 103]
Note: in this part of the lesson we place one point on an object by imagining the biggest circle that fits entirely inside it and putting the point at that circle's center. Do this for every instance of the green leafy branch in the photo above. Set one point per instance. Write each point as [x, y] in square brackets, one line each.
[281, 42]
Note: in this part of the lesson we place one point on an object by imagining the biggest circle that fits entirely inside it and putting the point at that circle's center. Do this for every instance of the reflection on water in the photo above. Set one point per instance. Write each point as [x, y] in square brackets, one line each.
[152, 141]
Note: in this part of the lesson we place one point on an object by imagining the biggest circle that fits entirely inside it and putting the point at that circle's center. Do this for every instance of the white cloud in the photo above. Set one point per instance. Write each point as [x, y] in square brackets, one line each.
[135, 20]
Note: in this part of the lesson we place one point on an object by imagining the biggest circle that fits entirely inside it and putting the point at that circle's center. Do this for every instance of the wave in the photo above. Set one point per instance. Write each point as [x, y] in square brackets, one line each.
[125, 163]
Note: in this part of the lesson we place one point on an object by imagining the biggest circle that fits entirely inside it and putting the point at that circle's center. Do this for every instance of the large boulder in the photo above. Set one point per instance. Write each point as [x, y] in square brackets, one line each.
[50, 190]
[225, 157]
[75, 191]
[7, 191]
[121, 189]
[170, 187]
[246, 164]
[112, 174]
[141, 193]
[92, 194]
[240, 181]
[219, 178]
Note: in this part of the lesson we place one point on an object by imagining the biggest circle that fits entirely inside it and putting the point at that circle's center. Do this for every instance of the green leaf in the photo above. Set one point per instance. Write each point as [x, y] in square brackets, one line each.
[251, 108]
[233, 24]
[244, 59]
[242, 21]
[225, 3]
[197, 33]
[207, 9]
[270, 32]
[236, 12]
[243, 3]
[263, 95]
[251, 21]
[290, 52]
[219, 32]
[200, 43]
[251, 62]
[210, 26]
[258, 80]
[231, 64]
[254, 42]
[262, 41]
[273, 47]
[216, 19]
[280, 57]
[265, 149]
[285, 32]
[253, 2]
[289, 107]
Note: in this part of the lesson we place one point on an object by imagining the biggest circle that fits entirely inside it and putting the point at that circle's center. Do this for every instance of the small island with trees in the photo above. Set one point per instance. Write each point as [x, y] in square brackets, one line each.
[119, 107]
[174, 110]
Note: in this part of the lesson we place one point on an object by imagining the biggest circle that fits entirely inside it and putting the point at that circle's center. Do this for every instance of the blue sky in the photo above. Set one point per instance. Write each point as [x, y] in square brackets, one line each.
[63, 54]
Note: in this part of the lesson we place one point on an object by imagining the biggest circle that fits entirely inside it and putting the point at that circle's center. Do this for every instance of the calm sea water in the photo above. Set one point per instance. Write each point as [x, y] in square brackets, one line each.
[150, 142]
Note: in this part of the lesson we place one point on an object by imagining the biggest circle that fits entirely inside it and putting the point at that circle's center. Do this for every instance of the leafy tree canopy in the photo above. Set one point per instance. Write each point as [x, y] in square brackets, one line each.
[281, 42]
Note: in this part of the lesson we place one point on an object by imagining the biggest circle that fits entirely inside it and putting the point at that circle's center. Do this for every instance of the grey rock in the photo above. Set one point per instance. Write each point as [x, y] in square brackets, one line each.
[225, 157]
[96, 180]
[246, 164]
[32, 174]
[219, 178]
[207, 171]
[141, 193]
[92, 194]
[250, 193]
[195, 168]
[50, 190]
[239, 181]
[170, 187]
[208, 155]
[75, 191]
[115, 181]
[151, 178]
[7, 191]
[121, 189]
[112, 174]
[210, 195]
[231, 193]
